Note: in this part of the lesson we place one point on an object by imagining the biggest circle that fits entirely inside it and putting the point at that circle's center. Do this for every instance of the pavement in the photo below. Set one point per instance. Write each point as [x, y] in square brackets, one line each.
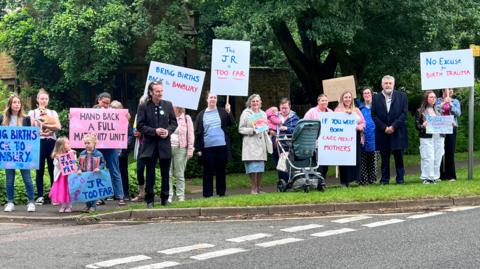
[112, 212]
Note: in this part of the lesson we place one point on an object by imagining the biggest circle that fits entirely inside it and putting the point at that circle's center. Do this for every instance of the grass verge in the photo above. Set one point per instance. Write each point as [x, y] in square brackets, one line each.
[412, 189]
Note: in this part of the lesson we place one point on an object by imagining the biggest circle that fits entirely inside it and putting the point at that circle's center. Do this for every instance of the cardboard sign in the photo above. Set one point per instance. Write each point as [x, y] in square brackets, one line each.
[440, 124]
[230, 67]
[110, 126]
[334, 87]
[19, 147]
[90, 186]
[259, 122]
[182, 86]
[447, 69]
[337, 143]
[68, 163]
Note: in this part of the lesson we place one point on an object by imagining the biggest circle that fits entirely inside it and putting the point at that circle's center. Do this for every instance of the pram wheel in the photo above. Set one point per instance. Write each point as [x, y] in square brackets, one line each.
[281, 186]
[321, 188]
[306, 188]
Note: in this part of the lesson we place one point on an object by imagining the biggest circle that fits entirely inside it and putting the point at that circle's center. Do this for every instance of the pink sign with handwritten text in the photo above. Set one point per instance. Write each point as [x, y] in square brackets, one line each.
[109, 125]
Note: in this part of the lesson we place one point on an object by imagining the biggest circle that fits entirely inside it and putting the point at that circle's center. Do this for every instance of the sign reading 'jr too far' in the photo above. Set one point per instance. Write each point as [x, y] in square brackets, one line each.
[447, 69]
[230, 67]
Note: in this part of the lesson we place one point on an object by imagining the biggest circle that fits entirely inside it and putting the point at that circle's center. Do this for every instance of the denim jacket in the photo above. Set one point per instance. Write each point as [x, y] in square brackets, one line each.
[97, 157]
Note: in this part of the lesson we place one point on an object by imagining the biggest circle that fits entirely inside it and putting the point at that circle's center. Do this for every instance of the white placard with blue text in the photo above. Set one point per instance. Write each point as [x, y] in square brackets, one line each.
[181, 86]
[230, 67]
[337, 143]
[447, 69]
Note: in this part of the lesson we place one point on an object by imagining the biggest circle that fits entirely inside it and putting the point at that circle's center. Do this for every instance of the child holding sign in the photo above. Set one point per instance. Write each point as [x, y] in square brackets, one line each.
[59, 192]
[91, 159]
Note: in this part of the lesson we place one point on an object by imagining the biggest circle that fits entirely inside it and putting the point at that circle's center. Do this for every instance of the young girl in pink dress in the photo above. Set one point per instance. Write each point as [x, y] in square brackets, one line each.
[59, 191]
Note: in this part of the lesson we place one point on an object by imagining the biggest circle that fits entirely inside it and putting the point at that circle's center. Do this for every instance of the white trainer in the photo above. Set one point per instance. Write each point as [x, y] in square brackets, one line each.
[31, 207]
[9, 207]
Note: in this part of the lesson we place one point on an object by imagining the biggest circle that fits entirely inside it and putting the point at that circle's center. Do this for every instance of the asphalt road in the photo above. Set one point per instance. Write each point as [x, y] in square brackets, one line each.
[441, 239]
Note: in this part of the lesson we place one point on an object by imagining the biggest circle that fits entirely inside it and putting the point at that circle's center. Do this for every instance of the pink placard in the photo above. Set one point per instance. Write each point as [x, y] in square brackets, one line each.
[110, 126]
[68, 163]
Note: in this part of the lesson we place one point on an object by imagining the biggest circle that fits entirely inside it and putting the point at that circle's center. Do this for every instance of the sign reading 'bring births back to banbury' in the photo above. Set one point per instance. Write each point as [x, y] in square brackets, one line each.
[447, 69]
[19, 147]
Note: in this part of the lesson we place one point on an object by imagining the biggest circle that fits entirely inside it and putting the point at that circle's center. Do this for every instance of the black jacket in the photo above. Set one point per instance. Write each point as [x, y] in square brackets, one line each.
[26, 121]
[422, 131]
[396, 117]
[227, 120]
[148, 120]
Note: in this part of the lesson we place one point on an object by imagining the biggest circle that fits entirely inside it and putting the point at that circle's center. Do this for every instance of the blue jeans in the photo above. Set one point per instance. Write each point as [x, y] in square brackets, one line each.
[27, 180]
[111, 158]
[91, 204]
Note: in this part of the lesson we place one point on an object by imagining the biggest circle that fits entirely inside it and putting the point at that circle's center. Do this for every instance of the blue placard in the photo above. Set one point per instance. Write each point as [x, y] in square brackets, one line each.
[19, 147]
[440, 124]
[90, 186]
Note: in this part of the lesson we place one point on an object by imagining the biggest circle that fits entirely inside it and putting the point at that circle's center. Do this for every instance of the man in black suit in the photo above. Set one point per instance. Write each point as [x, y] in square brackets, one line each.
[156, 121]
[389, 112]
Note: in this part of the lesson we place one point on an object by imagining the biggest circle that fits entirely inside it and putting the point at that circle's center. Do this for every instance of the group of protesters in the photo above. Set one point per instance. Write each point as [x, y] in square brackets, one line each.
[165, 134]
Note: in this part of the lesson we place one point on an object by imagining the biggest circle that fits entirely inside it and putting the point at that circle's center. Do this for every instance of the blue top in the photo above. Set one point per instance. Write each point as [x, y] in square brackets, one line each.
[213, 135]
[290, 123]
[369, 131]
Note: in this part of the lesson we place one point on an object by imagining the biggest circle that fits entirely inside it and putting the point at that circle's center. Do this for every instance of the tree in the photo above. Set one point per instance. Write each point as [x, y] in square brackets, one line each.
[323, 39]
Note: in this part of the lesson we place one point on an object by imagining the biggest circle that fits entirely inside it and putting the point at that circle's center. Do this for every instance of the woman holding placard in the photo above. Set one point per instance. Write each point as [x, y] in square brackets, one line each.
[431, 145]
[448, 105]
[345, 104]
[256, 142]
[49, 123]
[13, 116]
[212, 144]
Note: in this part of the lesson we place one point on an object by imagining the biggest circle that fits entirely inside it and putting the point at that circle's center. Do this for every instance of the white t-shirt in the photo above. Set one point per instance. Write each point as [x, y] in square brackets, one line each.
[35, 116]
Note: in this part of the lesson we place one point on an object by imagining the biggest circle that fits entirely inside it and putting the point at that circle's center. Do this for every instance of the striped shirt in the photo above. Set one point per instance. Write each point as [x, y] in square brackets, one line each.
[213, 135]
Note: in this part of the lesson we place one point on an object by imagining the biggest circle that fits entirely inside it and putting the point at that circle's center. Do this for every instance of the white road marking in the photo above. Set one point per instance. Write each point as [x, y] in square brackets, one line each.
[381, 223]
[185, 249]
[460, 208]
[279, 242]
[351, 219]
[158, 265]
[248, 237]
[301, 228]
[215, 254]
[425, 215]
[114, 262]
[333, 232]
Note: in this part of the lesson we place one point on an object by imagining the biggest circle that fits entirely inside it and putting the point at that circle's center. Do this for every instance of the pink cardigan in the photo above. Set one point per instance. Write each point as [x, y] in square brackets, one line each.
[185, 128]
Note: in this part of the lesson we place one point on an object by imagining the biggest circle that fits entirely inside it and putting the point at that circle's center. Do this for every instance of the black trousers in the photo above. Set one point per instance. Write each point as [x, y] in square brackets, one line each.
[46, 148]
[141, 171]
[398, 156]
[368, 170]
[447, 167]
[214, 163]
[164, 171]
[123, 162]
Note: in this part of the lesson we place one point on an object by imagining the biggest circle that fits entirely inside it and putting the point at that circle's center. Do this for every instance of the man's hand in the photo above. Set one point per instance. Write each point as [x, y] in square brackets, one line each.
[164, 133]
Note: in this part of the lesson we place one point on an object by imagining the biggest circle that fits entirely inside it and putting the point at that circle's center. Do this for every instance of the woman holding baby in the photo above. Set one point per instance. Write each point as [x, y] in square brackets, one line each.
[49, 123]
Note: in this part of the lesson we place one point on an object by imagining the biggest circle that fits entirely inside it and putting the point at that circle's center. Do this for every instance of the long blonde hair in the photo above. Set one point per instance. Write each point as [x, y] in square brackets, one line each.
[7, 113]
[59, 147]
[340, 101]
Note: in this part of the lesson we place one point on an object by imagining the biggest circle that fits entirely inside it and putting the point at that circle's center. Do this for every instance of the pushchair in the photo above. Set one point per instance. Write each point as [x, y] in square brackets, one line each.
[301, 161]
